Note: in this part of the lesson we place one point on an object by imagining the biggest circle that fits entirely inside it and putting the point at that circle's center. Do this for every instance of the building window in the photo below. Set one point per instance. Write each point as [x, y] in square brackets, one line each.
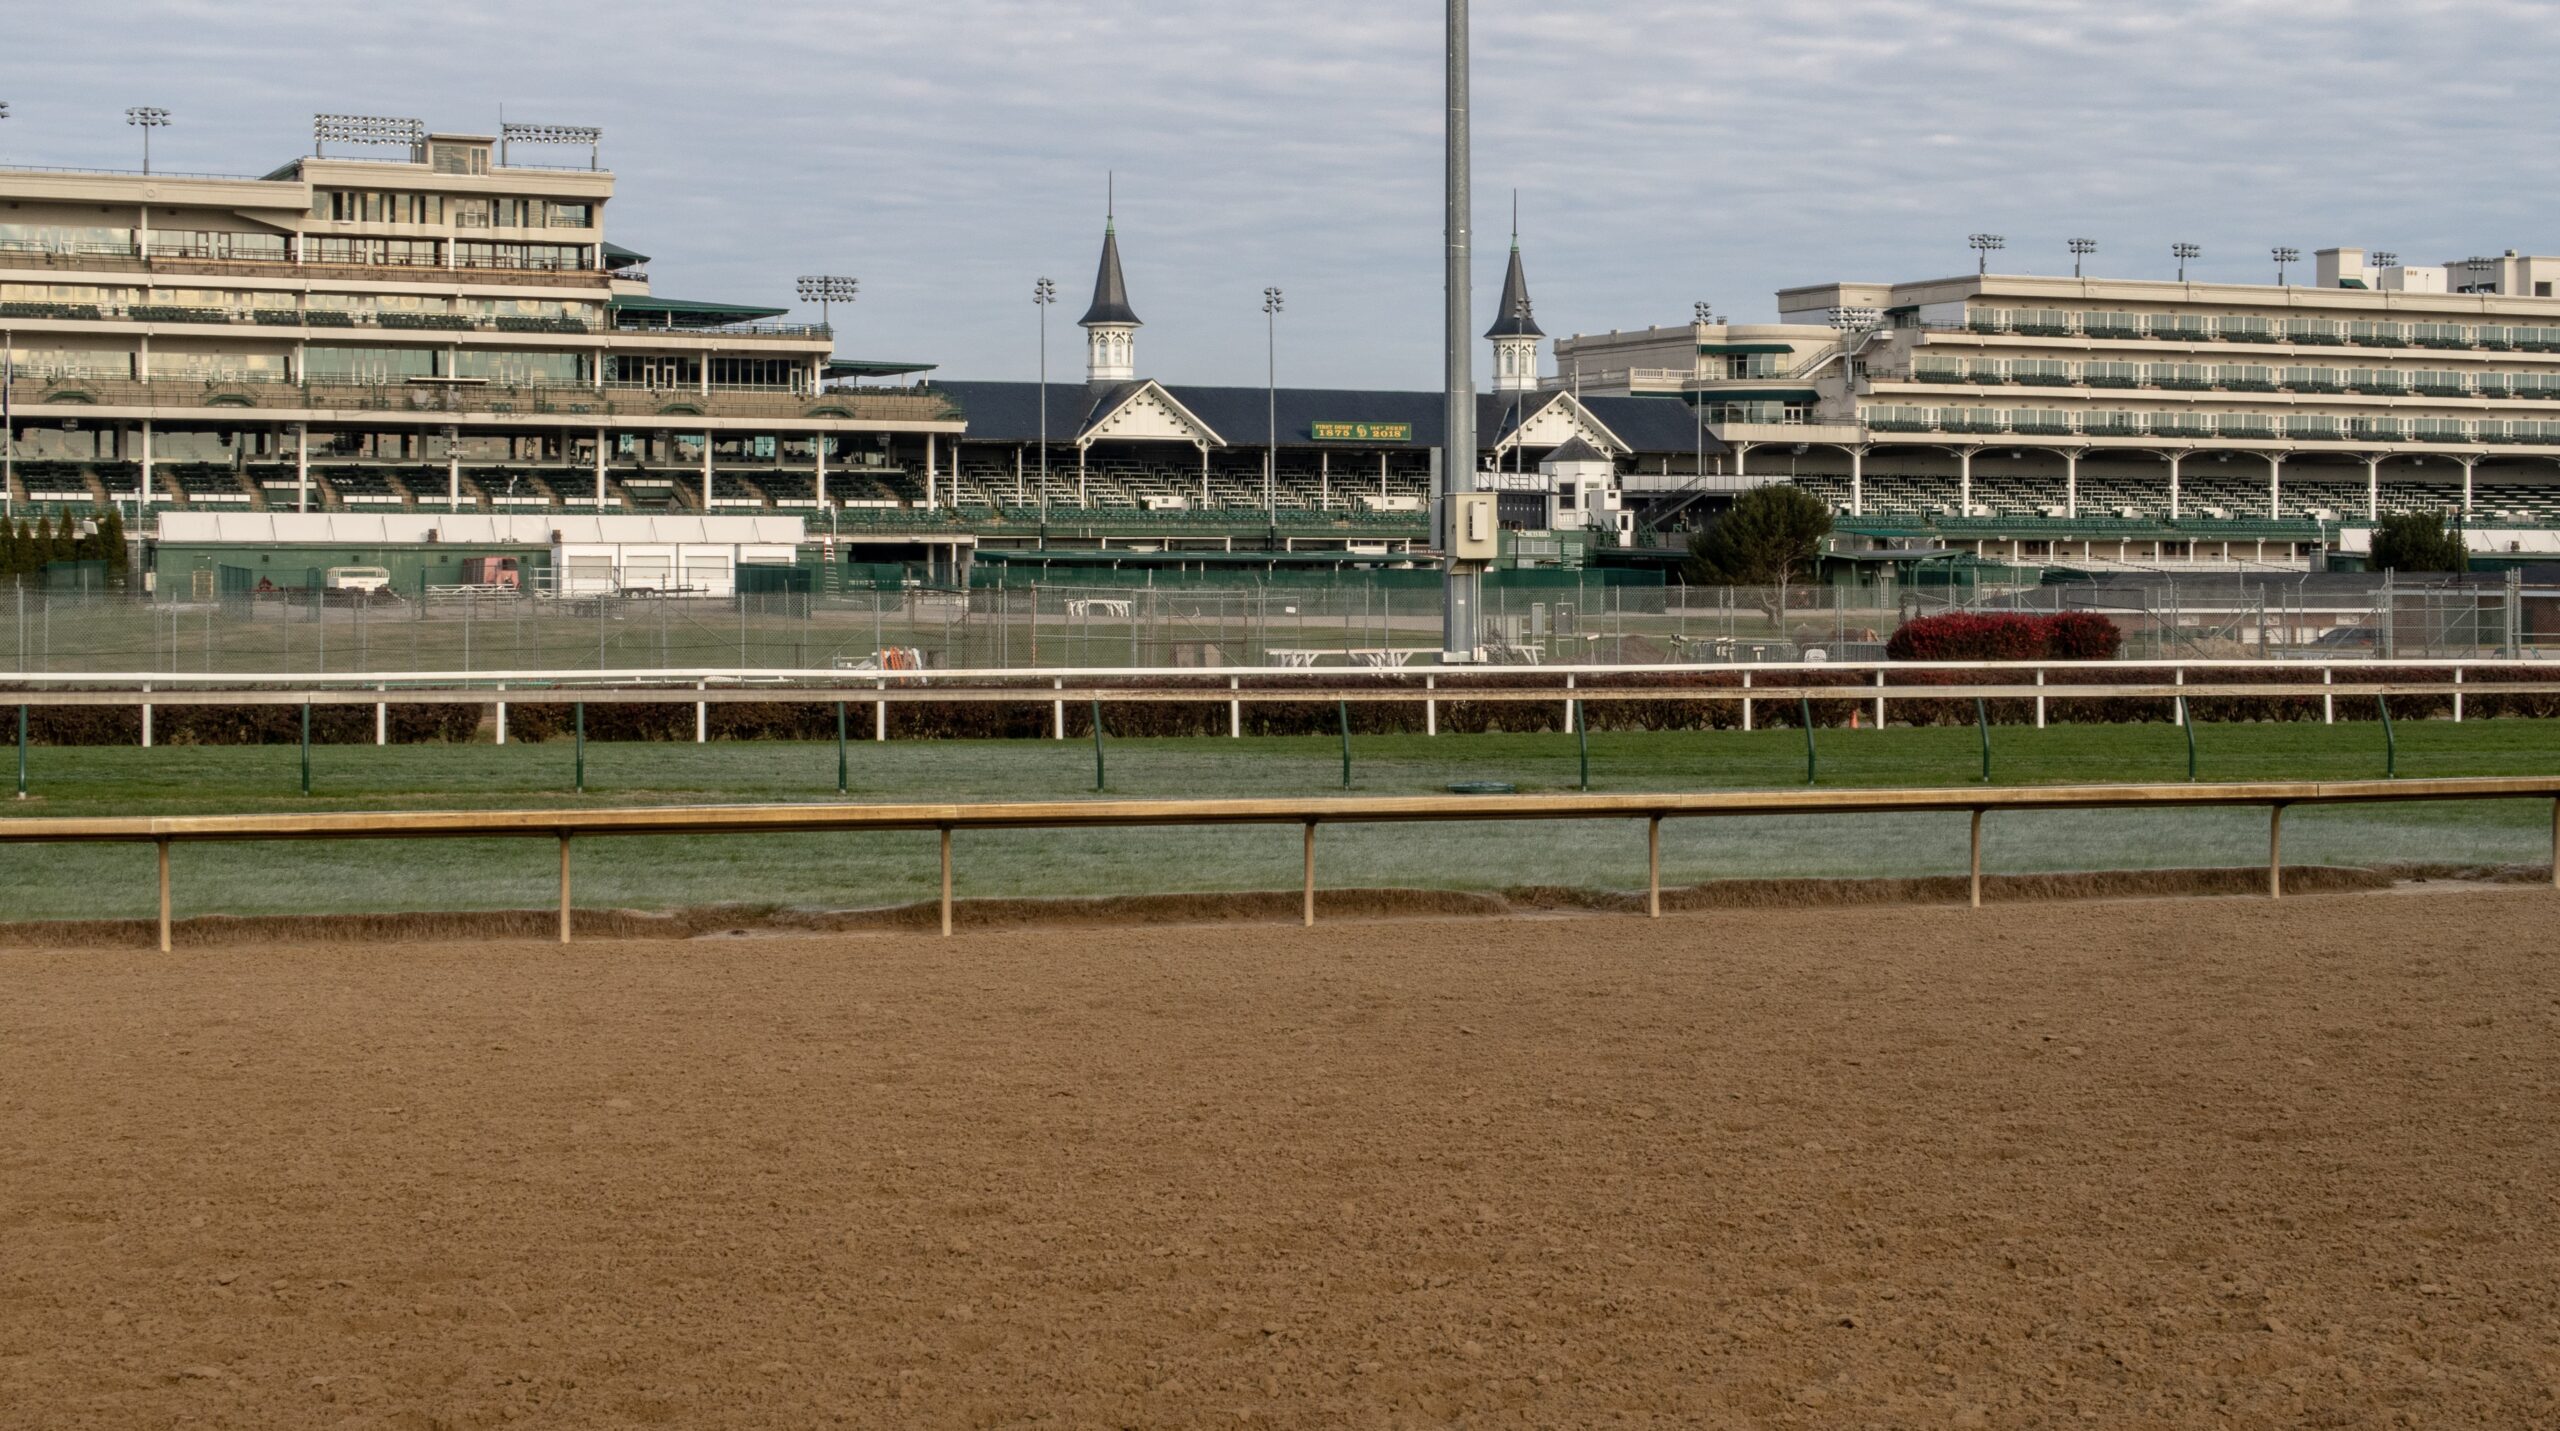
[2542, 288]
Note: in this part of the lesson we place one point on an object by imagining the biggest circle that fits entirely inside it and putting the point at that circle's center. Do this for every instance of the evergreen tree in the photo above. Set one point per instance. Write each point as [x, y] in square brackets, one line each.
[111, 542]
[1769, 538]
[2419, 541]
[13, 547]
[44, 544]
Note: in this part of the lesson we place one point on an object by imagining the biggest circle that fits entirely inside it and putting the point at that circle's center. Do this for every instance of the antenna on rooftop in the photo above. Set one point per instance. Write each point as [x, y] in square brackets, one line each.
[571, 135]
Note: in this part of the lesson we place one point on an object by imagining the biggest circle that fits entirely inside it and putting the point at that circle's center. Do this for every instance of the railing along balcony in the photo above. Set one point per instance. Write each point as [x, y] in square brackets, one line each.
[446, 396]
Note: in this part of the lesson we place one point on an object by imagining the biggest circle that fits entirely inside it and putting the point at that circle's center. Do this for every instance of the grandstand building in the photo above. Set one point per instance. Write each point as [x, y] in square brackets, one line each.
[444, 329]
[2113, 422]
[1127, 464]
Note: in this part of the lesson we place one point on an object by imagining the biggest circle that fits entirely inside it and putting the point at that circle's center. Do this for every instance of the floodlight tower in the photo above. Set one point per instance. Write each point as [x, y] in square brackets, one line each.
[2182, 252]
[1706, 314]
[2285, 257]
[1983, 246]
[365, 129]
[2081, 248]
[572, 135]
[1271, 306]
[1855, 326]
[146, 118]
[1462, 585]
[825, 288]
[1045, 294]
[2385, 258]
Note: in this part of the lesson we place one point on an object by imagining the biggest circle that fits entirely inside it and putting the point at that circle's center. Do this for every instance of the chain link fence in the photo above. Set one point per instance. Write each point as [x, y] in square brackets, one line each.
[1037, 627]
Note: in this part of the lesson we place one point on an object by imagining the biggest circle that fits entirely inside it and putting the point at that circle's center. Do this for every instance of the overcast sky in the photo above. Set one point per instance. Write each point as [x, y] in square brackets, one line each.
[948, 152]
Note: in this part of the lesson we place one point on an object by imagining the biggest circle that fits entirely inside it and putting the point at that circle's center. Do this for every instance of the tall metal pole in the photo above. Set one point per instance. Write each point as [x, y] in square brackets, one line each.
[1462, 586]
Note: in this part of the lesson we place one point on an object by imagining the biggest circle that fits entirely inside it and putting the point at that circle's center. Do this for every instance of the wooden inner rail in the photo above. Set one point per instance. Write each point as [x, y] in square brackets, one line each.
[164, 831]
[1248, 695]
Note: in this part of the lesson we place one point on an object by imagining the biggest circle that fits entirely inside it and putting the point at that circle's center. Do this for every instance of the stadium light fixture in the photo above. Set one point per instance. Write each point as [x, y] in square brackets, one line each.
[2385, 258]
[1271, 306]
[2285, 257]
[2480, 269]
[146, 117]
[2182, 252]
[2081, 248]
[1044, 293]
[373, 129]
[1855, 326]
[825, 288]
[1983, 246]
[570, 135]
[1704, 313]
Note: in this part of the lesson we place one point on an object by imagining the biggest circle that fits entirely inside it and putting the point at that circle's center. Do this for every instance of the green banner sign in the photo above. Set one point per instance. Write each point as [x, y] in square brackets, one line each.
[1363, 431]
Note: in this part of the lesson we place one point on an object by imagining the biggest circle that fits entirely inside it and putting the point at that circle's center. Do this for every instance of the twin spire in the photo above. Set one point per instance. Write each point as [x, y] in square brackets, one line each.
[1111, 325]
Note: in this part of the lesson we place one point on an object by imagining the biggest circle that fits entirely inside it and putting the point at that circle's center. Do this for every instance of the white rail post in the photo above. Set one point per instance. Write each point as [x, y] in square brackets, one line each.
[1977, 859]
[382, 715]
[701, 717]
[146, 717]
[1308, 911]
[502, 715]
[1430, 706]
[880, 714]
[2180, 706]
[1057, 710]
[1746, 704]
[1879, 698]
[1568, 706]
[1235, 711]
[1653, 868]
[2457, 695]
[2328, 702]
[2039, 698]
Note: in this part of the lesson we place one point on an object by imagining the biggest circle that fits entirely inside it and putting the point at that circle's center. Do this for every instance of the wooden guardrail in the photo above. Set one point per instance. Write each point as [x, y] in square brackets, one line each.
[944, 819]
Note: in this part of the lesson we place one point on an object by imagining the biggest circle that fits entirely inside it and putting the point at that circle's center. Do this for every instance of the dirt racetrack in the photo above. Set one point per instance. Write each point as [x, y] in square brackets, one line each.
[2198, 1162]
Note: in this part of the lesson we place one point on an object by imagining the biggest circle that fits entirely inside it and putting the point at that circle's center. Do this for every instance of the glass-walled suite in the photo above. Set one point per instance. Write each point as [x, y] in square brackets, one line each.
[99, 302]
[677, 372]
[2253, 328]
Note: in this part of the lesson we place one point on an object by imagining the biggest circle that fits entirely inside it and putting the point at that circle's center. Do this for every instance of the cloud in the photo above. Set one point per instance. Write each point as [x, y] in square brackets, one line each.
[1665, 150]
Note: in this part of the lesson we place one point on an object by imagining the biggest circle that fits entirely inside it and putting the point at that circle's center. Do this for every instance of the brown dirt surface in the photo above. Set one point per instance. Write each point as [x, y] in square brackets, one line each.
[2166, 1162]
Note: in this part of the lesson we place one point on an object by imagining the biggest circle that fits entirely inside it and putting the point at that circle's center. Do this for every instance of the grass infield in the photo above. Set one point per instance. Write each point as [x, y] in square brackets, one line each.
[842, 871]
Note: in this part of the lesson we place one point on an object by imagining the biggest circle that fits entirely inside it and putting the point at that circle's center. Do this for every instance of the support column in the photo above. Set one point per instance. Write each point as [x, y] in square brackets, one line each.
[2175, 458]
[1324, 480]
[821, 442]
[2373, 487]
[600, 442]
[302, 467]
[452, 472]
[2275, 485]
[932, 479]
[1964, 482]
[1857, 481]
[706, 474]
[1079, 474]
[2467, 464]
[2071, 483]
[142, 501]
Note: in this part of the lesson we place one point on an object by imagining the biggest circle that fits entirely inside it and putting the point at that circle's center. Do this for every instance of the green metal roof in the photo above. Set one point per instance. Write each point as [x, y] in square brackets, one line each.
[687, 313]
[1746, 348]
[874, 368]
[616, 256]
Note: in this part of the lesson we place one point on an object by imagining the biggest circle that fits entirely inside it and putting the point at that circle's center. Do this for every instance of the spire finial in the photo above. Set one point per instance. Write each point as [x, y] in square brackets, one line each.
[1515, 221]
[1110, 200]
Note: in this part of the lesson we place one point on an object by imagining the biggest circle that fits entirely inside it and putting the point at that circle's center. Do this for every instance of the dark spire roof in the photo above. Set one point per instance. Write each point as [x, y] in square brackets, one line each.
[1575, 449]
[1511, 316]
[1110, 291]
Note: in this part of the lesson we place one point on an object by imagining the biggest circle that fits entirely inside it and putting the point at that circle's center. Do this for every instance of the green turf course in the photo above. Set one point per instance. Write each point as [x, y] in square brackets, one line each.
[838, 871]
